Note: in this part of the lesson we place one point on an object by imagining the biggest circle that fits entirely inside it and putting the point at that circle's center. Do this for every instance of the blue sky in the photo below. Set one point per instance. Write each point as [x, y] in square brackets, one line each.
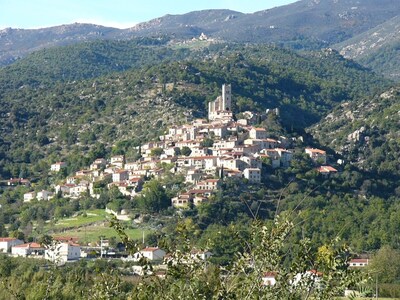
[115, 13]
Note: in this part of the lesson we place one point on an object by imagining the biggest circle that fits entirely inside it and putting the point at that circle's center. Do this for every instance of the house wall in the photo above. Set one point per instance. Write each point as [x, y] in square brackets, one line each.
[253, 175]
[44, 195]
[154, 255]
[19, 251]
[29, 196]
[257, 134]
[5, 246]
[269, 280]
[63, 252]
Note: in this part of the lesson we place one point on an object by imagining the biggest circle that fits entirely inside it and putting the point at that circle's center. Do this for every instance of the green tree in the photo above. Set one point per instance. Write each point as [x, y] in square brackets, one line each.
[156, 151]
[265, 250]
[185, 151]
[207, 142]
[18, 235]
[386, 264]
[153, 198]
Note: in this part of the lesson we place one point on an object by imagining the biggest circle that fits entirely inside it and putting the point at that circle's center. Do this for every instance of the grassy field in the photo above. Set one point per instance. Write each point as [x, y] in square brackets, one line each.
[88, 226]
[87, 217]
[91, 234]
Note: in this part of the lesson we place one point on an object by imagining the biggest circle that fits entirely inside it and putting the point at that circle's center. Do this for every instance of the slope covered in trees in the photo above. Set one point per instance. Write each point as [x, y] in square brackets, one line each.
[45, 118]
[384, 61]
[88, 60]
[366, 132]
[94, 113]
[377, 48]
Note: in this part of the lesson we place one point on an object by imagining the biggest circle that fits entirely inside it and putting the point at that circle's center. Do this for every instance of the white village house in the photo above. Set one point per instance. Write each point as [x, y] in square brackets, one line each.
[6, 243]
[316, 154]
[28, 197]
[359, 262]
[56, 167]
[200, 254]
[63, 252]
[151, 253]
[44, 195]
[269, 278]
[252, 174]
[29, 249]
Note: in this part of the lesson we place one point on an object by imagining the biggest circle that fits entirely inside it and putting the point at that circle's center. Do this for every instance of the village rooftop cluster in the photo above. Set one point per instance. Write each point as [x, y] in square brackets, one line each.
[205, 152]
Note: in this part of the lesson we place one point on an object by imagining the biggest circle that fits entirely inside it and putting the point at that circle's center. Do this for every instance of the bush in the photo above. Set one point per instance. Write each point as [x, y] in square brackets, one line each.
[390, 290]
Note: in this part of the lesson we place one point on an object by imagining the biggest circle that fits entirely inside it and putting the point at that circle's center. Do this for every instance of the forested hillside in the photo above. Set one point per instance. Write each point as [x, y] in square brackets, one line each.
[366, 132]
[385, 61]
[45, 113]
[78, 103]
[88, 60]
[378, 48]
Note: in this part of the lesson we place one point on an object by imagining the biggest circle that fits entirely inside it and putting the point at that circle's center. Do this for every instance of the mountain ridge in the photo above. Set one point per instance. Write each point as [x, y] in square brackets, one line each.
[377, 48]
[308, 24]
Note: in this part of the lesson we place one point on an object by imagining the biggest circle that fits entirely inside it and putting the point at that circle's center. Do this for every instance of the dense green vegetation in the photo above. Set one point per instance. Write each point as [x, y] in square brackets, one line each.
[264, 248]
[35, 279]
[44, 119]
[366, 132]
[88, 60]
[121, 94]
[188, 277]
[384, 61]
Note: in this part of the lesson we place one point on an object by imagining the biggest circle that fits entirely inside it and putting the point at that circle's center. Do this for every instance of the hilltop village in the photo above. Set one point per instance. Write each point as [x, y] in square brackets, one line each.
[204, 151]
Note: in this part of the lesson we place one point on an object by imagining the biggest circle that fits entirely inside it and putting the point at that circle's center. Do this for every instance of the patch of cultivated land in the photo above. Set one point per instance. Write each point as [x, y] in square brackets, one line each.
[89, 226]
[92, 234]
[84, 218]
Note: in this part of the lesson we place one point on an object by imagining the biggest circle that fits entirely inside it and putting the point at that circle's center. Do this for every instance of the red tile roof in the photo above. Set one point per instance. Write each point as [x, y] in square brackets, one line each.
[270, 274]
[270, 140]
[30, 245]
[326, 169]
[315, 272]
[359, 260]
[314, 150]
[7, 239]
[151, 249]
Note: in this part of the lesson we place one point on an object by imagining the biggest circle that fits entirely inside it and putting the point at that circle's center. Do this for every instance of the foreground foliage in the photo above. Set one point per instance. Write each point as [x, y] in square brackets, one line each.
[301, 273]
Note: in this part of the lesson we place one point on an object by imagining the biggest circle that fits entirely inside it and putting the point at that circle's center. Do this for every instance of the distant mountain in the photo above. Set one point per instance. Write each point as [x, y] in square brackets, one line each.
[385, 60]
[90, 60]
[16, 43]
[378, 48]
[303, 24]
[372, 40]
[326, 21]
[188, 25]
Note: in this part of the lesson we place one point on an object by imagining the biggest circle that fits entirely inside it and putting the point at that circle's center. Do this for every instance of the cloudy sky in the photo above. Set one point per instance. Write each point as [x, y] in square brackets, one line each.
[114, 13]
